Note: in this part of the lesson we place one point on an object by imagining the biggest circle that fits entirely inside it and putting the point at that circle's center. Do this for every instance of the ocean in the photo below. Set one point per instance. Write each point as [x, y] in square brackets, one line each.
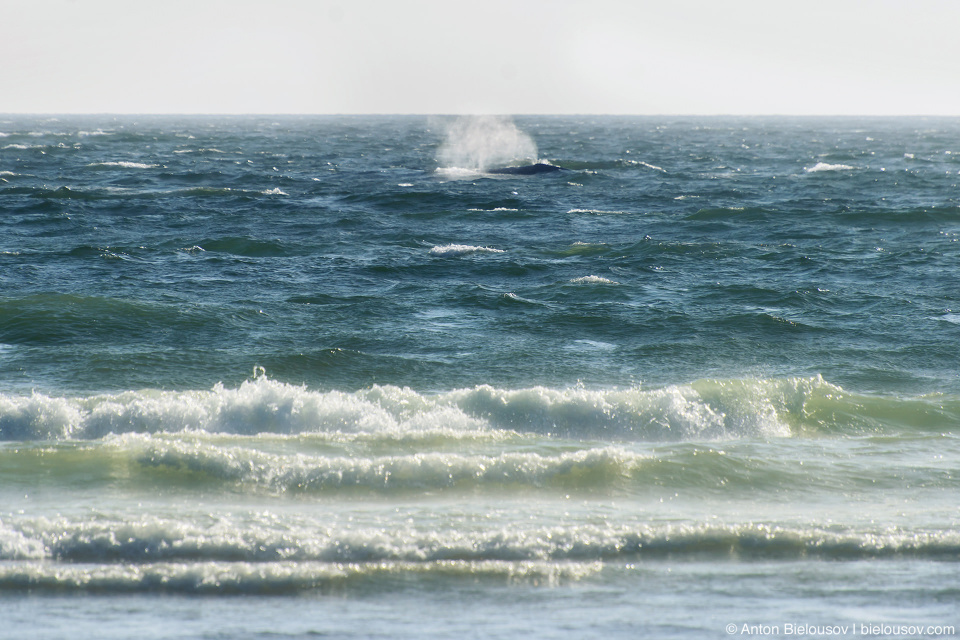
[295, 377]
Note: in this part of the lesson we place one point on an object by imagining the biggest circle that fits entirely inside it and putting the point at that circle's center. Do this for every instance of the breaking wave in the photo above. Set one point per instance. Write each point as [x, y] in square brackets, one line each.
[703, 410]
[257, 555]
[824, 166]
[453, 250]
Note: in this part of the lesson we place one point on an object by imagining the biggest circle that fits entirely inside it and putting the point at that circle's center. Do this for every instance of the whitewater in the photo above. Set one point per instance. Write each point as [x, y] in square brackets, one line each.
[281, 377]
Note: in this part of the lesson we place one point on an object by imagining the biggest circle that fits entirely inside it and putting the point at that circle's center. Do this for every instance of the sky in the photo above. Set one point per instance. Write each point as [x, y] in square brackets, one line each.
[698, 57]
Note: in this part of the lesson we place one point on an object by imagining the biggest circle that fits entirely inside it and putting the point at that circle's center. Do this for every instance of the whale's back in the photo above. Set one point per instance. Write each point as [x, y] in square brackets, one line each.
[527, 170]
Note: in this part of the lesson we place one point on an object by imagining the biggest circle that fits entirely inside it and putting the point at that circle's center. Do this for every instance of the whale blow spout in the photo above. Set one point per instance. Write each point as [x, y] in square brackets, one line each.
[527, 170]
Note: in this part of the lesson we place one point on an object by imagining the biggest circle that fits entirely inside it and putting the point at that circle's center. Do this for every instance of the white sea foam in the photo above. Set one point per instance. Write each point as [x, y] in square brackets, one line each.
[14, 545]
[593, 280]
[218, 578]
[641, 163]
[276, 191]
[595, 211]
[823, 166]
[422, 545]
[124, 164]
[38, 416]
[703, 410]
[428, 470]
[453, 250]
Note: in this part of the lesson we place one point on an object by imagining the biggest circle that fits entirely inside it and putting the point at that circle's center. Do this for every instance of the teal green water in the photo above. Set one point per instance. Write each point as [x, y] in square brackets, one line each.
[298, 376]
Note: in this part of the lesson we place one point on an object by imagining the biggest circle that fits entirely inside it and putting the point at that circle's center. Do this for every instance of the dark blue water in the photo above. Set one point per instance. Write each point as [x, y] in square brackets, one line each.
[709, 363]
[176, 253]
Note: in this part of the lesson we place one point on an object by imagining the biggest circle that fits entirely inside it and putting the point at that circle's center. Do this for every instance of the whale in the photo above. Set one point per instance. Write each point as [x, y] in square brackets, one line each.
[527, 169]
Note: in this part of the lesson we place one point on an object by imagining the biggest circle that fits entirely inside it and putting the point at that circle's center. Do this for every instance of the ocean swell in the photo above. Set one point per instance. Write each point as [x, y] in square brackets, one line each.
[260, 540]
[703, 410]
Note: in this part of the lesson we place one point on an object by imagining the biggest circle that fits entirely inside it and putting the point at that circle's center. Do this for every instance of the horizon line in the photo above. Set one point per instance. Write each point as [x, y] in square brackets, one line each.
[475, 114]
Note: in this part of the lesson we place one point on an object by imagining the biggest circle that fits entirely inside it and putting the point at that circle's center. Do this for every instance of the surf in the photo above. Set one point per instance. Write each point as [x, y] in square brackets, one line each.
[708, 409]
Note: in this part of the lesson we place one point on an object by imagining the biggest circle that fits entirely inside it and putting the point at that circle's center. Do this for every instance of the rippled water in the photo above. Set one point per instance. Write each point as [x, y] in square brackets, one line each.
[338, 367]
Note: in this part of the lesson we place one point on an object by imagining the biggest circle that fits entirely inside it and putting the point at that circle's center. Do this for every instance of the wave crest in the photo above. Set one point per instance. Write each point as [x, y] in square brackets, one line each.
[825, 166]
[260, 538]
[703, 410]
[123, 164]
[454, 250]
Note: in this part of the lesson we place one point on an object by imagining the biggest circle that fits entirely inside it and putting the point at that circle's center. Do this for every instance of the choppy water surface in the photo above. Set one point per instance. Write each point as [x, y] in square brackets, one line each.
[338, 367]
